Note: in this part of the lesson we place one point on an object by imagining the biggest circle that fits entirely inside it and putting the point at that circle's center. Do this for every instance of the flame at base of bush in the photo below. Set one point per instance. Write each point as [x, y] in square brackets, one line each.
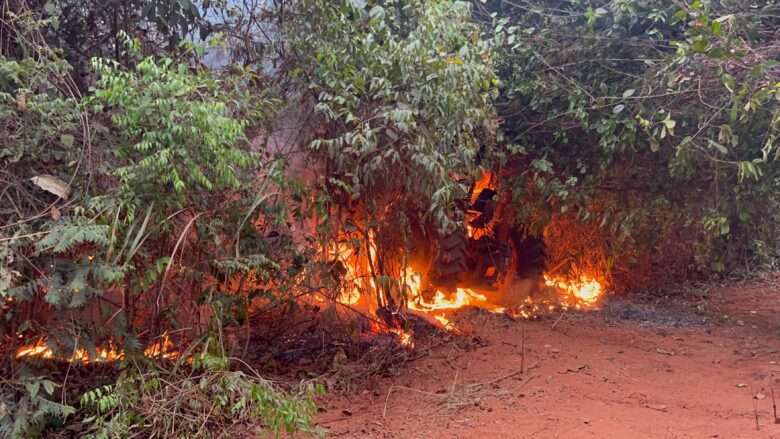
[584, 290]
[161, 349]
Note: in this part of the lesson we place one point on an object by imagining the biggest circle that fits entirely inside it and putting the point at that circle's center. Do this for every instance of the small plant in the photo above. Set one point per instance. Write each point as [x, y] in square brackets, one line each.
[202, 404]
[26, 406]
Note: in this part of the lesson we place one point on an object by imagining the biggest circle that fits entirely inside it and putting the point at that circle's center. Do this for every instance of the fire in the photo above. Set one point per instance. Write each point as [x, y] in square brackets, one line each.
[354, 280]
[355, 262]
[440, 301]
[162, 348]
[486, 181]
[405, 337]
[445, 322]
[36, 350]
[80, 355]
[585, 289]
[462, 297]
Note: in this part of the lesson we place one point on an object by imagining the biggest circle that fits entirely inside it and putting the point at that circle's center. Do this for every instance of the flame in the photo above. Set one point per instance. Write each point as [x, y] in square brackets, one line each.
[486, 181]
[358, 264]
[162, 349]
[40, 349]
[585, 289]
[440, 301]
[353, 278]
[445, 322]
[405, 337]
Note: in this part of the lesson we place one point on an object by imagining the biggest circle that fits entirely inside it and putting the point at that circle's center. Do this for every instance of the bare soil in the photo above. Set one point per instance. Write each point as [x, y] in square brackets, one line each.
[695, 365]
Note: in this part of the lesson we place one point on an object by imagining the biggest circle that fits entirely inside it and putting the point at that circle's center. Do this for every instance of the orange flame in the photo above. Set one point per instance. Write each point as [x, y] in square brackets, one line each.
[585, 289]
[355, 279]
[359, 288]
[161, 349]
[80, 355]
[405, 337]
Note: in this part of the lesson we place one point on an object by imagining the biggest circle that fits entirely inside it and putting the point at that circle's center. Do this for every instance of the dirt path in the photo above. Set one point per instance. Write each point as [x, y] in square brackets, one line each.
[678, 369]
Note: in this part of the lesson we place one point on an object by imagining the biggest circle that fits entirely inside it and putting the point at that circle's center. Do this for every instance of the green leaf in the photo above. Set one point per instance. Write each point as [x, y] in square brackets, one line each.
[48, 386]
[717, 29]
[718, 146]
[67, 140]
[33, 386]
[700, 45]
[628, 93]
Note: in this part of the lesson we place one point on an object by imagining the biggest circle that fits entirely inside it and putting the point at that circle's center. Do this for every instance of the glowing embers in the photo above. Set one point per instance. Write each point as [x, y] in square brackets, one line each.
[405, 337]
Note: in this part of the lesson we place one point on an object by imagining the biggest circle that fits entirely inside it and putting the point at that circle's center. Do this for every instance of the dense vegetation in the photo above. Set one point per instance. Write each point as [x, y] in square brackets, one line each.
[654, 121]
[163, 163]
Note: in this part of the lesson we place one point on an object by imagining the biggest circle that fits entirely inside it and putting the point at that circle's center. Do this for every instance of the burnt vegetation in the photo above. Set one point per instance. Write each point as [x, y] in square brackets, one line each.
[199, 196]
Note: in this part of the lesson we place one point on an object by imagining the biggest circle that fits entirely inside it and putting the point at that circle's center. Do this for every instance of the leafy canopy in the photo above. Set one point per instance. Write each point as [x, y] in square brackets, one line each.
[406, 90]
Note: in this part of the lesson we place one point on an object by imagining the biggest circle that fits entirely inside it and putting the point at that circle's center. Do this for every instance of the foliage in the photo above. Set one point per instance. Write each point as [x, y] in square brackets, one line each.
[196, 402]
[94, 28]
[41, 124]
[143, 191]
[641, 117]
[26, 406]
[176, 133]
[170, 406]
[163, 155]
[405, 88]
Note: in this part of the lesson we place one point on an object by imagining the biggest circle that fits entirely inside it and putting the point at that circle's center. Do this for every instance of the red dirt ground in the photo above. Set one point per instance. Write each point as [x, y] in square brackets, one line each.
[638, 368]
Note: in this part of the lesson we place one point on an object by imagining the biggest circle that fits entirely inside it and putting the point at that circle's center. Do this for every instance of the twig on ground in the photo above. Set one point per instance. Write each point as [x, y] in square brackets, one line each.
[522, 351]
[559, 319]
[755, 412]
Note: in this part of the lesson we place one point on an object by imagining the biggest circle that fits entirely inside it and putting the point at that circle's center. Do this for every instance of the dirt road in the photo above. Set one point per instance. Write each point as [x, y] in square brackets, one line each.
[637, 368]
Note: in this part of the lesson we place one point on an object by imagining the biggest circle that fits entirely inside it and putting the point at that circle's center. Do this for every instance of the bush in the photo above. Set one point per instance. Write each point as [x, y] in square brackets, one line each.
[641, 117]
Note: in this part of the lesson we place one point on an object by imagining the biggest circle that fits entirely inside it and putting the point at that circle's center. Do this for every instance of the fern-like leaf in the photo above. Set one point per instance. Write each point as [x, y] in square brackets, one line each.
[62, 238]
